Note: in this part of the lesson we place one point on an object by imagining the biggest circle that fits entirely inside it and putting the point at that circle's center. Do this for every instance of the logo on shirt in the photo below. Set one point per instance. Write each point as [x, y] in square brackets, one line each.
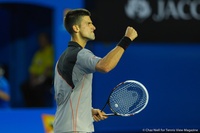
[94, 57]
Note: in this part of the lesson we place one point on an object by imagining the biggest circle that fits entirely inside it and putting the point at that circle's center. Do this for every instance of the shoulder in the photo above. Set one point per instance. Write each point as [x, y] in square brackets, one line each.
[85, 52]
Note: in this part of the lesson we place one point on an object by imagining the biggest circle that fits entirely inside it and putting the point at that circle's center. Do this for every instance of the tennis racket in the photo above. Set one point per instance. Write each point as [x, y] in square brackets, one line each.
[127, 98]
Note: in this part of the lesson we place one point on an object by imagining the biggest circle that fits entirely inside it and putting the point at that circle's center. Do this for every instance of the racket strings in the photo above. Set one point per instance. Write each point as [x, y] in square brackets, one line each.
[125, 102]
[129, 98]
[123, 99]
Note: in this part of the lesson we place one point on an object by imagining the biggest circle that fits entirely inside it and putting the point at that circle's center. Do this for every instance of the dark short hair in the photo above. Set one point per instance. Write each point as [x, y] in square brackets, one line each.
[73, 17]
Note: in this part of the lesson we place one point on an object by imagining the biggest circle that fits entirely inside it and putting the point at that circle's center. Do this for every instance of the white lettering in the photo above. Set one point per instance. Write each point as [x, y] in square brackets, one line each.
[140, 10]
[171, 10]
[170, 130]
[179, 130]
[193, 9]
[191, 130]
[181, 7]
[160, 16]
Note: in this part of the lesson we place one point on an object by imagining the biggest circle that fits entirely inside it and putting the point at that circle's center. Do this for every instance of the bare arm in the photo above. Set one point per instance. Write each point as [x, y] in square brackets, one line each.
[109, 62]
[4, 96]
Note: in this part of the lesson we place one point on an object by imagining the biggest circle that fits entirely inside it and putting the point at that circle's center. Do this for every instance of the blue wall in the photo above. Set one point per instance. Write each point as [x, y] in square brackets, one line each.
[23, 120]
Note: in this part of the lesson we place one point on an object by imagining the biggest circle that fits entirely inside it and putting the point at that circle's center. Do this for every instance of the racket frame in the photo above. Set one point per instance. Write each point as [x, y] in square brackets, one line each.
[117, 114]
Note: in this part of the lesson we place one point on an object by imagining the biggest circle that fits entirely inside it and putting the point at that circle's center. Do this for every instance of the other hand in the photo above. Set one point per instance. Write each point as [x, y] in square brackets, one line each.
[98, 115]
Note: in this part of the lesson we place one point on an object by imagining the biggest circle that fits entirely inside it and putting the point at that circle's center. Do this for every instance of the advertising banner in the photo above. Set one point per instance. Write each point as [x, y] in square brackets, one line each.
[155, 20]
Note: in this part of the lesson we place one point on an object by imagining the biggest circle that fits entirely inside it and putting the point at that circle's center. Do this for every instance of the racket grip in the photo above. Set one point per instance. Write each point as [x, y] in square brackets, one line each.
[111, 115]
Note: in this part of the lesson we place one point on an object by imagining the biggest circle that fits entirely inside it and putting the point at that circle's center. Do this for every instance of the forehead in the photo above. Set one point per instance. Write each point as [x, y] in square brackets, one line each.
[86, 19]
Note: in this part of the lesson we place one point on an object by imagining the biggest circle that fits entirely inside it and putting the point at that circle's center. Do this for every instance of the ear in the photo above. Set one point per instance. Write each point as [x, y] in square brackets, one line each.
[75, 28]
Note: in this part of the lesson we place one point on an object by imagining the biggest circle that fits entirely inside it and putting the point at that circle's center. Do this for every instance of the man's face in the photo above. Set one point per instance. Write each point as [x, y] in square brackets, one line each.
[87, 28]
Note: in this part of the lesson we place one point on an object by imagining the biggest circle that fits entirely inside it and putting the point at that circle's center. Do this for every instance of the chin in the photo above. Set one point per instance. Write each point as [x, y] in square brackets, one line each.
[92, 38]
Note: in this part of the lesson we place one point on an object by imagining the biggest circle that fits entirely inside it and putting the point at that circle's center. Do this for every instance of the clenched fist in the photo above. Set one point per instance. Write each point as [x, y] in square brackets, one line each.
[131, 33]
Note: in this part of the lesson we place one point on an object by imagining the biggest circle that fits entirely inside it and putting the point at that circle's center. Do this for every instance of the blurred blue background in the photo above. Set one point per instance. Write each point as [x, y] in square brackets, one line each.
[169, 70]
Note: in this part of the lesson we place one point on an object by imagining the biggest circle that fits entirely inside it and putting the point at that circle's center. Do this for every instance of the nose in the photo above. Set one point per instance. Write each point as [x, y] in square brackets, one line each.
[94, 27]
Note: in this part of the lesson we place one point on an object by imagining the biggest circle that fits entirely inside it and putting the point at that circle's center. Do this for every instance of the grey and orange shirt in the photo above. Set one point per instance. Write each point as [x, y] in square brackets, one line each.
[73, 89]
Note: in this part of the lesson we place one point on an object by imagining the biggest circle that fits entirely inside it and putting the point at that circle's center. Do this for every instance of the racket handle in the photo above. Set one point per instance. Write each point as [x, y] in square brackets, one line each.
[111, 115]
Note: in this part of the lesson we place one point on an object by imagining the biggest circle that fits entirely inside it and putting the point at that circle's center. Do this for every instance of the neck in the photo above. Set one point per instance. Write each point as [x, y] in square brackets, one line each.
[82, 42]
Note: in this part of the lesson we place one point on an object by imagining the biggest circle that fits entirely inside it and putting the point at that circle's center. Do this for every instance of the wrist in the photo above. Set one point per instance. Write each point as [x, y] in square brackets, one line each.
[94, 111]
[124, 42]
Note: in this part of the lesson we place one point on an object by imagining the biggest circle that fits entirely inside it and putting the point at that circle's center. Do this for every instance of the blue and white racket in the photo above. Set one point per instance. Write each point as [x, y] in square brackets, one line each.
[127, 98]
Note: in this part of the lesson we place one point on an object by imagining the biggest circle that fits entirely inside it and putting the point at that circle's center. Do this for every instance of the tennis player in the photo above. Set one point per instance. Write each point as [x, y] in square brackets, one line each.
[74, 71]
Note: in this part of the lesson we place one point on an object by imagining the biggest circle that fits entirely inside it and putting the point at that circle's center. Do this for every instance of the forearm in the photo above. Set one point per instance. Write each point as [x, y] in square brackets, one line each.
[110, 60]
[4, 96]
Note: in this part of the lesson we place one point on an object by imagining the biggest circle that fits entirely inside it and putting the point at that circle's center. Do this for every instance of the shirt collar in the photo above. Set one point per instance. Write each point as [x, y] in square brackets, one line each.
[73, 44]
